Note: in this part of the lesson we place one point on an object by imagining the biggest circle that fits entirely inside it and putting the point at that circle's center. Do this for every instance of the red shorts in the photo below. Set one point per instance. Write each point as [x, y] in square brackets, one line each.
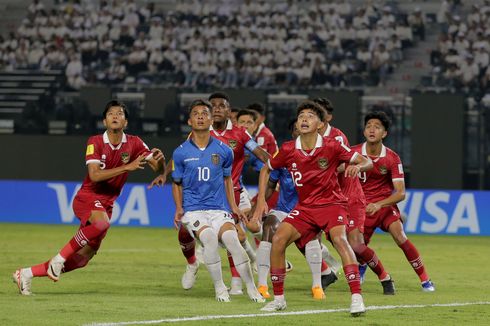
[309, 221]
[381, 219]
[83, 206]
[357, 216]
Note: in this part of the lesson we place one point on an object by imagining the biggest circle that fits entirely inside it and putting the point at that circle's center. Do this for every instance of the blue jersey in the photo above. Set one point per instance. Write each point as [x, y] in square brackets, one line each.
[201, 173]
[287, 192]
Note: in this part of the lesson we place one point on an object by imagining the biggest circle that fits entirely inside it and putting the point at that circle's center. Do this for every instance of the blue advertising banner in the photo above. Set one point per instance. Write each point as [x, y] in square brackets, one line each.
[426, 211]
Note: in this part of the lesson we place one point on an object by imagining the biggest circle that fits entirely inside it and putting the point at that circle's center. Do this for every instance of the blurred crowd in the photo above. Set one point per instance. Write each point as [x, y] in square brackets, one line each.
[220, 43]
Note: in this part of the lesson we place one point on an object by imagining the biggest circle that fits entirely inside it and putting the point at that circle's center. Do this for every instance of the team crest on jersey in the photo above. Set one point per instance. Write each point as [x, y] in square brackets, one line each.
[196, 224]
[125, 157]
[232, 143]
[383, 169]
[322, 163]
[215, 159]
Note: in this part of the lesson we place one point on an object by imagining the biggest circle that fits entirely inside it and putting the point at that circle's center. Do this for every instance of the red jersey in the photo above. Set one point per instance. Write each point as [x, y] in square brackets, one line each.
[351, 187]
[315, 173]
[101, 151]
[265, 138]
[238, 139]
[387, 168]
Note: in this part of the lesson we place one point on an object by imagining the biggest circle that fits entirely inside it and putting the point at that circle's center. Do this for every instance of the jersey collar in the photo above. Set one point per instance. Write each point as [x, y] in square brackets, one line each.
[319, 143]
[229, 126]
[105, 137]
[327, 132]
[383, 151]
[259, 129]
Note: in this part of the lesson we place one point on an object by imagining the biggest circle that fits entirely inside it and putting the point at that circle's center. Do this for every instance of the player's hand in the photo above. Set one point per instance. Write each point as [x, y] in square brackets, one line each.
[138, 163]
[260, 210]
[179, 213]
[239, 214]
[159, 181]
[352, 171]
[157, 154]
[372, 208]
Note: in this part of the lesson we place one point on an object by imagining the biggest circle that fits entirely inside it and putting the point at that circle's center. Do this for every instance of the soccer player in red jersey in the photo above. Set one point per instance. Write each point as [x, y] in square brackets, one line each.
[263, 135]
[237, 138]
[384, 187]
[109, 158]
[312, 161]
[356, 203]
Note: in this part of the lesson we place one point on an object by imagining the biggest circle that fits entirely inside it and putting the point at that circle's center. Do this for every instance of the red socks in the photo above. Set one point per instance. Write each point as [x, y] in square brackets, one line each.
[369, 256]
[278, 275]
[353, 278]
[414, 259]
[187, 245]
[74, 262]
[40, 270]
[83, 237]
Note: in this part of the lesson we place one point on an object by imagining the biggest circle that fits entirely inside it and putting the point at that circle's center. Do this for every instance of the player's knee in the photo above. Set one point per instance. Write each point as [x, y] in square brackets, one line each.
[101, 224]
[340, 241]
[270, 224]
[279, 241]
[358, 248]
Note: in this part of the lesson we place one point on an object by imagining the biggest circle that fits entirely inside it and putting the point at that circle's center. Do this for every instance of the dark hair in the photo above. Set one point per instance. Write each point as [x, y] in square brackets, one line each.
[200, 102]
[319, 111]
[219, 95]
[235, 109]
[325, 103]
[247, 112]
[257, 107]
[112, 103]
[381, 116]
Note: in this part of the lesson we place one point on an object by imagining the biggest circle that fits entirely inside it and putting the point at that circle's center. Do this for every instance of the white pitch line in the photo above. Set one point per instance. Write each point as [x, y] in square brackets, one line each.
[289, 313]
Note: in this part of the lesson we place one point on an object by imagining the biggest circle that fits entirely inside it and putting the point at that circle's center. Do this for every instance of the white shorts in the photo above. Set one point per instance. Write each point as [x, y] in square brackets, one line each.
[279, 214]
[215, 219]
[244, 200]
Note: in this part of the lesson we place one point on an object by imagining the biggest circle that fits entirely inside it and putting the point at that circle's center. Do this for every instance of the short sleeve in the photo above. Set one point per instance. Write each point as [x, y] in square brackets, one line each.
[92, 152]
[279, 160]
[227, 161]
[177, 165]
[396, 168]
[141, 148]
[345, 153]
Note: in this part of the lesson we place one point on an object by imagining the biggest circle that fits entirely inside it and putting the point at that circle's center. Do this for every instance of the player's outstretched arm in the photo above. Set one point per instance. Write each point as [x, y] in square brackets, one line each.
[97, 174]
[230, 196]
[157, 163]
[179, 210]
[397, 196]
[261, 207]
[261, 154]
[358, 164]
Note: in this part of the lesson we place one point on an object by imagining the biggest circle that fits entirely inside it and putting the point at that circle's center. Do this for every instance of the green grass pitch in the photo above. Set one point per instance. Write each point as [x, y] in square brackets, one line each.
[136, 277]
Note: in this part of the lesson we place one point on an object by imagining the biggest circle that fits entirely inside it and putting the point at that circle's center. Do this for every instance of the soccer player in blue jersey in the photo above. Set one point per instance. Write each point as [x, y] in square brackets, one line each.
[201, 174]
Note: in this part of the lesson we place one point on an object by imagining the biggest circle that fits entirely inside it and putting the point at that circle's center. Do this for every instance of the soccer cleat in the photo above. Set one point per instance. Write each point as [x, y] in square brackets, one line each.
[236, 286]
[189, 277]
[264, 291]
[357, 305]
[362, 271]
[388, 286]
[222, 295]
[254, 295]
[276, 305]
[317, 293]
[54, 269]
[428, 286]
[23, 282]
[328, 279]
[289, 266]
